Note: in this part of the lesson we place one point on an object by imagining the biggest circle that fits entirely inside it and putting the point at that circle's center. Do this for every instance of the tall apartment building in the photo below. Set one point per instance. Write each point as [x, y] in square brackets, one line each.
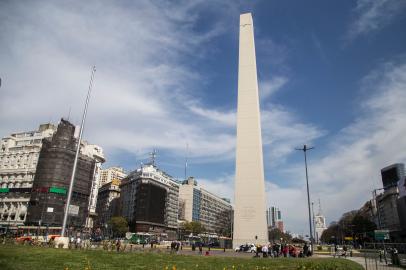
[401, 205]
[149, 201]
[19, 154]
[96, 153]
[110, 174]
[198, 204]
[52, 178]
[107, 203]
[387, 202]
[273, 215]
[392, 174]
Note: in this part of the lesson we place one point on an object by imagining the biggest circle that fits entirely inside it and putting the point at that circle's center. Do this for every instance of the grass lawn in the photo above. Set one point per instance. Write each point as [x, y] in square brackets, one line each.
[32, 258]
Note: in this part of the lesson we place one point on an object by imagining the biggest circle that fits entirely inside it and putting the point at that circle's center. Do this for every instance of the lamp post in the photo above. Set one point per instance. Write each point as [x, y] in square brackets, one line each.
[379, 218]
[305, 149]
[314, 226]
[72, 180]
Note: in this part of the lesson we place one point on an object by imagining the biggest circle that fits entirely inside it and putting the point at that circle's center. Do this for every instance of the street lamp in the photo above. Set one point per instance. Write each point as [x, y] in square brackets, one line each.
[305, 149]
[314, 226]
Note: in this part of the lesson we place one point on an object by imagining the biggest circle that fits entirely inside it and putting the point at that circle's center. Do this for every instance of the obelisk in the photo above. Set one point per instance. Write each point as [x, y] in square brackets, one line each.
[250, 211]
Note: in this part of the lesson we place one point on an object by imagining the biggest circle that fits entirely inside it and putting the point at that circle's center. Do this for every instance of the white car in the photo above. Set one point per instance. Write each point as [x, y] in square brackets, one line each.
[246, 248]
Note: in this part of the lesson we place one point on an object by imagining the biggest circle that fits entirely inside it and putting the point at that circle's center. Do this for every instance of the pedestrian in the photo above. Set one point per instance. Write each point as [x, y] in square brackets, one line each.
[258, 249]
[118, 245]
[72, 242]
[265, 251]
[285, 251]
[305, 250]
[78, 242]
[200, 248]
[395, 257]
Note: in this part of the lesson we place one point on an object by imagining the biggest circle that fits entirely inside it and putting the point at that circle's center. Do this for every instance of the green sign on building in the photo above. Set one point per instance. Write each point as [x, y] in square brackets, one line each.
[382, 235]
[4, 190]
[57, 190]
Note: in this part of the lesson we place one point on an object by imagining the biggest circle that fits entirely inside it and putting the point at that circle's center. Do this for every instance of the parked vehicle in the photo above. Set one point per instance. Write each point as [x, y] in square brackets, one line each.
[246, 248]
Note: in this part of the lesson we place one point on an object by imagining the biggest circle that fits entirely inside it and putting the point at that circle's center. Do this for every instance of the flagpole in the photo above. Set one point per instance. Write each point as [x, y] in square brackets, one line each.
[72, 180]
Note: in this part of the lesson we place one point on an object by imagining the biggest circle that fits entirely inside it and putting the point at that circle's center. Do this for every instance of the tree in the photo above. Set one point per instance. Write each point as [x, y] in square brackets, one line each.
[276, 235]
[119, 226]
[351, 224]
[193, 227]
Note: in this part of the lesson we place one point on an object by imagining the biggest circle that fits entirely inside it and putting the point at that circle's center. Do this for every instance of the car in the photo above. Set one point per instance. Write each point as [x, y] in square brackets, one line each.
[246, 248]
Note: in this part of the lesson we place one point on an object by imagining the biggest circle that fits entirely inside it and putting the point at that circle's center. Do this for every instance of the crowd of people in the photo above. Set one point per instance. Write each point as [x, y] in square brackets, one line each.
[283, 250]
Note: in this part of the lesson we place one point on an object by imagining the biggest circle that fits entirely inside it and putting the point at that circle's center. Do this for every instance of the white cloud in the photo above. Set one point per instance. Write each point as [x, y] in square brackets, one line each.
[345, 176]
[142, 85]
[372, 15]
[269, 87]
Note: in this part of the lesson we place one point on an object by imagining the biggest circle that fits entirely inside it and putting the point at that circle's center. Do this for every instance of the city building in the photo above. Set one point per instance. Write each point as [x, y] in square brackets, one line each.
[280, 226]
[107, 203]
[52, 179]
[249, 212]
[401, 206]
[386, 202]
[149, 200]
[273, 215]
[19, 154]
[198, 204]
[368, 211]
[392, 174]
[319, 224]
[96, 153]
[110, 174]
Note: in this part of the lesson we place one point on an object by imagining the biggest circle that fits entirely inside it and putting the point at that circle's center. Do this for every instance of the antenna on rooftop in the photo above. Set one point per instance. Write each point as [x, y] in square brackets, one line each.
[69, 112]
[153, 157]
[319, 207]
[186, 156]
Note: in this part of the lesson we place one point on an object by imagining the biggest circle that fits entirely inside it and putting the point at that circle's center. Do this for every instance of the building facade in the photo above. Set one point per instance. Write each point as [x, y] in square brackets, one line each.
[110, 174]
[96, 153]
[392, 174]
[52, 178]
[19, 154]
[388, 217]
[273, 216]
[107, 203]
[149, 201]
[198, 204]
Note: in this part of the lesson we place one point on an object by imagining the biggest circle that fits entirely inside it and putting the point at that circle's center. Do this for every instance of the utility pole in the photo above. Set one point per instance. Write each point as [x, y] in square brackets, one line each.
[72, 180]
[305, 149]
[314, 225]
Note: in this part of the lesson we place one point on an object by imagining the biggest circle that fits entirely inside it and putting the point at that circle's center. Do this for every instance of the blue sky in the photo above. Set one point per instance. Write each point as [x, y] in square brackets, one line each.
[332, 74]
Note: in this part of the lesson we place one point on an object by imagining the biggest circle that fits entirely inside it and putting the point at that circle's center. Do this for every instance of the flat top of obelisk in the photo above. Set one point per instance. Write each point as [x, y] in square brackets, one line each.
[245, 18]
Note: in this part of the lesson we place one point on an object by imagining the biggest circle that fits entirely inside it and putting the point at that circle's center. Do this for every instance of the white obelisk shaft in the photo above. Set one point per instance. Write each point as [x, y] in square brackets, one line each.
[250, 211]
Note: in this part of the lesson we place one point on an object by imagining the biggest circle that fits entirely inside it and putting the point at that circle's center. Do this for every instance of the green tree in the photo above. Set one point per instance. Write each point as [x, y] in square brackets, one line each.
[119, 226]
[194, 227]
[275, 235]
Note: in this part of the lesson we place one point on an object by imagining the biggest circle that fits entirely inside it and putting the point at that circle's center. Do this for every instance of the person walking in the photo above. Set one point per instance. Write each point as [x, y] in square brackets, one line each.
[200, 248]
[305, 250]
[118, 245]
[264, 251]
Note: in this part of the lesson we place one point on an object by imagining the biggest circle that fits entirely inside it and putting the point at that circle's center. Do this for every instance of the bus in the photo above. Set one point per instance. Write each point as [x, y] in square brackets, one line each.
[43, 234]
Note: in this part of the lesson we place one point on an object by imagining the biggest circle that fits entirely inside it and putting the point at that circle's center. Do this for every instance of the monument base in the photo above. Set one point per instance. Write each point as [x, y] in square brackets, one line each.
[62, 242]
